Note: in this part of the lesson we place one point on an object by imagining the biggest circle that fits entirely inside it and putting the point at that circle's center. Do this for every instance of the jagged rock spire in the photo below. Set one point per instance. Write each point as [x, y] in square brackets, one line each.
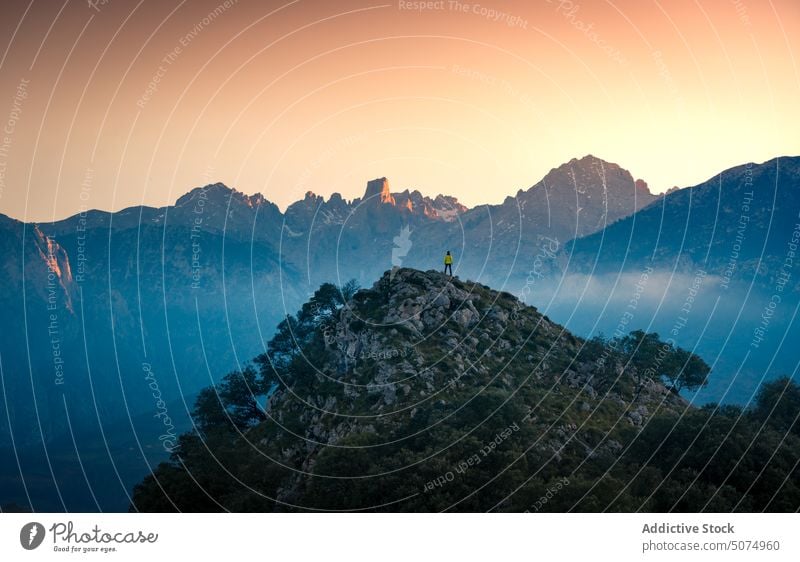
[378, 190]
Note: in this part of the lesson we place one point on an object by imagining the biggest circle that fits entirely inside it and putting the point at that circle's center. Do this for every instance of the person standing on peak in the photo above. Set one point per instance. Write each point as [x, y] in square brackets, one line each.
[448, 263]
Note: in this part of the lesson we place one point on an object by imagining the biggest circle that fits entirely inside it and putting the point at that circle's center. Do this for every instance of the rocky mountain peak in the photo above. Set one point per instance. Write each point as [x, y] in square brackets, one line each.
[431, 326]
[219, 195]
[448, 208]
[218, 191]
[442, 208]
[642, 187]
[589, 167]
[378, 190]
[591, 182]
[310, 200]
[409, 365]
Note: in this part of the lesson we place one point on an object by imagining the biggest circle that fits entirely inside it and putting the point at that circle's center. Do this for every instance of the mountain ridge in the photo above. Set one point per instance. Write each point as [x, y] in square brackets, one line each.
[256, 199]
[709, 214]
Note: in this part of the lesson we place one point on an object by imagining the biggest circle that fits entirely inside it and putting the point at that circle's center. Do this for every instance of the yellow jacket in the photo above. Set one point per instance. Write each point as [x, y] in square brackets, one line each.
[448, 259]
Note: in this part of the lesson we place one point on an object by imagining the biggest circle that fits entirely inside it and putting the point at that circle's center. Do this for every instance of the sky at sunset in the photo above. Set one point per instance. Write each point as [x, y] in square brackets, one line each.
[108, 104]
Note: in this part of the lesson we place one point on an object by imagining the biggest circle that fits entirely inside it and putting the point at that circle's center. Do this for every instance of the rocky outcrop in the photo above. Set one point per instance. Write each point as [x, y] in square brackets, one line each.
[378, 192]
[423, 342]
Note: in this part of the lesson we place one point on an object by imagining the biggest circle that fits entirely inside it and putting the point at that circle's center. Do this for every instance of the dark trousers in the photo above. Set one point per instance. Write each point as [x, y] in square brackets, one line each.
[450, 267]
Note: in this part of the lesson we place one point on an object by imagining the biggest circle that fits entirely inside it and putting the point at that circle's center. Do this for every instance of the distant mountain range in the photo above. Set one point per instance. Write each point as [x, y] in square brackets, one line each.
[193, 290]
[738, 224]
[499, 244]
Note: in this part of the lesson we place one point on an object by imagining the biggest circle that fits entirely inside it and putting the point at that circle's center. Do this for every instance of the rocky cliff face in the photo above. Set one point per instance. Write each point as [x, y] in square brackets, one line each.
[420, 342]
[584, 195]
[378, 192]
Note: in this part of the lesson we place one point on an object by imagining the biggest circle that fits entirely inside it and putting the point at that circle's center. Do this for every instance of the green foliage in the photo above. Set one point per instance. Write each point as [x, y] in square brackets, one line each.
[209, 411]
[709, 459]
[232, 402]
[778, 405]
[649, 357]
[309, 327]
[495, 436]
[718, 460]
[349, 289]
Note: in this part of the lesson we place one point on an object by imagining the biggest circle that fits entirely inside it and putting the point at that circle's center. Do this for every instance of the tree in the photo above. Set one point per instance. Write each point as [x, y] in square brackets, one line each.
[778, 404]
[349, 290]
[232, 402]
[283, 346]
[651, 357]
[208, 410]
[641, 351]
[685, 370]
[239, 391]
[295, 332]
[322, 305]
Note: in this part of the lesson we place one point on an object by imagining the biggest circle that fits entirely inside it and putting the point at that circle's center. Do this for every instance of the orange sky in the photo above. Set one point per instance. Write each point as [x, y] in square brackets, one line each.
[471, 99]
